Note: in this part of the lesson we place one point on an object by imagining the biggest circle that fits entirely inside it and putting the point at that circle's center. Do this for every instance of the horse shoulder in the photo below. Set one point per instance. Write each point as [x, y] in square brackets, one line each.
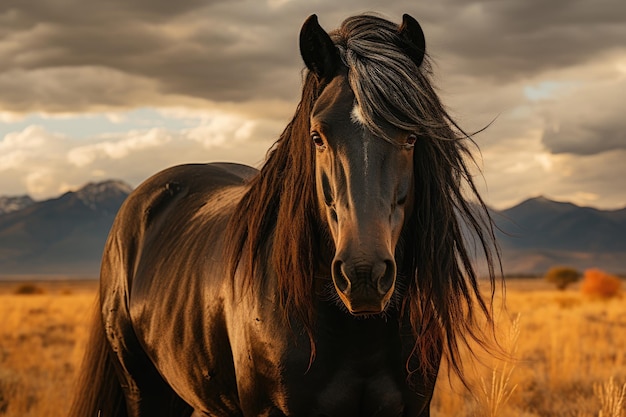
[163, 273]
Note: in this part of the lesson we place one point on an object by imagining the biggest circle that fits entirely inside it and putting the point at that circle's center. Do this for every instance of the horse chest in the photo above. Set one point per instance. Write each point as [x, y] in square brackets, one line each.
[349, 394]
[351, 379]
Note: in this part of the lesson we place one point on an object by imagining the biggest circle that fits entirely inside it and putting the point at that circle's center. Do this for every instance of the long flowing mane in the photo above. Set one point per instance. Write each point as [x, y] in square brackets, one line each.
[277, 220]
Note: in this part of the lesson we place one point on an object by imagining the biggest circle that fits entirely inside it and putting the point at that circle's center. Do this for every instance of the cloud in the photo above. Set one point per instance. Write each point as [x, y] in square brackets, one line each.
[552, 74]
[19, 149]
[516, 171]
[511, 39]
[587, 138]
[118, 149]
[153, 48]
[589, 120]
[558, 134]
[44, 164]
[72, 89]
[247, 50]
[595, 179]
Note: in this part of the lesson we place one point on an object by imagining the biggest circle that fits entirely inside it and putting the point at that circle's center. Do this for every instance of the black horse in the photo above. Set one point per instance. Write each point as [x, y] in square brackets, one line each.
[329, 283]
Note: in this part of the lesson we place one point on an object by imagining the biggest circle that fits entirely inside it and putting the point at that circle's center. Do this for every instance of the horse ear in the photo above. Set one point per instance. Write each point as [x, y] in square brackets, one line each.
[317, 49]
[414, 42]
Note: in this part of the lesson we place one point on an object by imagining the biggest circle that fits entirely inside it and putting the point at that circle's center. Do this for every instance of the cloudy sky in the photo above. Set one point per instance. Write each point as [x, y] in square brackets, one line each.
[98, 89]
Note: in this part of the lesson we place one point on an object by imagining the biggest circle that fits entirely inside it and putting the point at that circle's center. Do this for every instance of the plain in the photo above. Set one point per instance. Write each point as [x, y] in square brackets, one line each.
[565, 353]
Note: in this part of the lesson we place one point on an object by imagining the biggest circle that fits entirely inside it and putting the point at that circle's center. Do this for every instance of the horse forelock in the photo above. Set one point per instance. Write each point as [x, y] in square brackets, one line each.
[386, 82]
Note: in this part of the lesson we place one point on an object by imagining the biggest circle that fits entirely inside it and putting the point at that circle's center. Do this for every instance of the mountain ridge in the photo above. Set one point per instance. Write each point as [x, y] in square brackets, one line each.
[538, 233]
[62, 235]
[9, 204]
[66, 234]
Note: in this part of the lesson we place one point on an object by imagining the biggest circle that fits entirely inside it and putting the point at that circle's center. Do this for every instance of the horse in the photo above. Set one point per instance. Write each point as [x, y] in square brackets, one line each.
[330, 282]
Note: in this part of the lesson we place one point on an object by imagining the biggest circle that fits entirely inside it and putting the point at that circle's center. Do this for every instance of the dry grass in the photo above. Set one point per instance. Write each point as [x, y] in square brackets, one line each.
[42, 337]
[570, 356]
[611, 398]
[567, 345]
[496, 392]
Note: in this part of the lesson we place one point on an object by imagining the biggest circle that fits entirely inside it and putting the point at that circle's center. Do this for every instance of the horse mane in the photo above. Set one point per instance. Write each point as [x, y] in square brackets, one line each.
[280, 210]
[280, 207]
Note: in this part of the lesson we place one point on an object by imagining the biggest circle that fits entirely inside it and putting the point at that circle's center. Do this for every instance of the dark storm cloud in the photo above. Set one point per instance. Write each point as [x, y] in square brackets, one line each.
[515, 39]
[25, 12]
[586, 118]
[247, 50]
[587, 137]
[187, 48]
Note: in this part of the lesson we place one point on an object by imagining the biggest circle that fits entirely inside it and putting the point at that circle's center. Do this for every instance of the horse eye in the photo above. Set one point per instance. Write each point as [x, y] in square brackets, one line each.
[317, 140]
[411, 139]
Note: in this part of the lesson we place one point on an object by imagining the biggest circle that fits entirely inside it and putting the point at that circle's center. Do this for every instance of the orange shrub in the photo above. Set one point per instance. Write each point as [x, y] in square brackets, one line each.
[598, 283]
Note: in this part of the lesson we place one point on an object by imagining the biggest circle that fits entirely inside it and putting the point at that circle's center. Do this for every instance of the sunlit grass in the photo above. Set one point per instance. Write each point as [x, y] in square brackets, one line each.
[567, 344]
[566, 356]
[42, 338]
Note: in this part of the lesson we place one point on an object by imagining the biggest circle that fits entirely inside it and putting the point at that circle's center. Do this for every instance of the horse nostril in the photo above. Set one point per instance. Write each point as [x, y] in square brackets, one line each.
[341, 280]
[387, 279]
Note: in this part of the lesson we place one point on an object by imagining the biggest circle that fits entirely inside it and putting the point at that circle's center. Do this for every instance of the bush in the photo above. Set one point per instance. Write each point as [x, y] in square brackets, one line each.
[29, 289]
[599, 283]
[562, 276]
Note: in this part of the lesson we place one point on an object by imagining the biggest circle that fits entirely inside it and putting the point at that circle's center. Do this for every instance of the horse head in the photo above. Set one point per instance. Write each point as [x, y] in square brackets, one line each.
[363, 168]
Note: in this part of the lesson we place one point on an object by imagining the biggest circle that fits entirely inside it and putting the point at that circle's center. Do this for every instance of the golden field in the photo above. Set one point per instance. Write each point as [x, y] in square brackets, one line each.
[570, 354]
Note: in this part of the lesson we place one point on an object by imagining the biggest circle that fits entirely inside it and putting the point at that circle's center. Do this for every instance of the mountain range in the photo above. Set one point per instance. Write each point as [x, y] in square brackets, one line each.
[66, 235]
[59, 236]
[540, 233]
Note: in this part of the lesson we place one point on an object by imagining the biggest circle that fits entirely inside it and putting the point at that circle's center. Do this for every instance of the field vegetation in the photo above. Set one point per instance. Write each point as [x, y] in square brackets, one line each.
[565, 354]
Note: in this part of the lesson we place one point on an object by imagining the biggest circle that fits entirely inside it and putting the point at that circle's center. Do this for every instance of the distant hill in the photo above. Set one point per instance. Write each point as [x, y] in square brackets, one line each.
[9, 204]
[540, 233]
[66, 235]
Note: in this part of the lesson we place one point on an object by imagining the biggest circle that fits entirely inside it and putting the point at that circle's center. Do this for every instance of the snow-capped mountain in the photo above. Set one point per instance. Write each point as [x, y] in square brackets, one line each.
[63, 235]
[9, 204]
[94, 195]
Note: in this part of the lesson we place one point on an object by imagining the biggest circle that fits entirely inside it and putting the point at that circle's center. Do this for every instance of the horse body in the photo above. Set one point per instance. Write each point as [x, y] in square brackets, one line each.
[329, 283]
[220, 349]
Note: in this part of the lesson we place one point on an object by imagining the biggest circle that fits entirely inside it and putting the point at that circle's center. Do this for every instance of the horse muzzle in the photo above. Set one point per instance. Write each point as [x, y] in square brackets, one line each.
[364, 287]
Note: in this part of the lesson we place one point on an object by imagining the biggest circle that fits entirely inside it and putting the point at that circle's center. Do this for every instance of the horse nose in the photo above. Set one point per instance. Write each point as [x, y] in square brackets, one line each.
[364, 288]
[387, 278]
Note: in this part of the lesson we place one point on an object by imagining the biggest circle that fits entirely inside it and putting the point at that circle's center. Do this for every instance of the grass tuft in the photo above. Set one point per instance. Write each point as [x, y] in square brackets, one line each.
[497, 391]
[611, 398]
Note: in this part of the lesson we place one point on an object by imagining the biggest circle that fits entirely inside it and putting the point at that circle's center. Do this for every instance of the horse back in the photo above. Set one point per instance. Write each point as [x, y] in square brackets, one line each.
[165, 205]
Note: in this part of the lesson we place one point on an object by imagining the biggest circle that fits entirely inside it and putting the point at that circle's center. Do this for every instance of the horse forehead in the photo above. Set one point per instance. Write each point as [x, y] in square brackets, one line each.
[337, 106]
[337, 109]
[336, 100]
